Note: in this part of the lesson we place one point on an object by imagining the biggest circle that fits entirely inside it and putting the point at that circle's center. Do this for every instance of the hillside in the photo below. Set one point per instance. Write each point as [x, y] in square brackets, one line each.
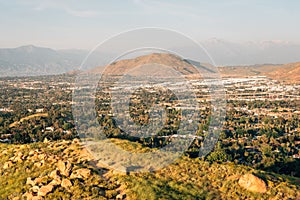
[289, 73]
[124, 66]
[64, 170]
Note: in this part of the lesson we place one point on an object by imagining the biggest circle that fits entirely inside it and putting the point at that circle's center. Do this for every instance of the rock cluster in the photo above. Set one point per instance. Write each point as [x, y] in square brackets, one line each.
[66, 163]
[60, 177]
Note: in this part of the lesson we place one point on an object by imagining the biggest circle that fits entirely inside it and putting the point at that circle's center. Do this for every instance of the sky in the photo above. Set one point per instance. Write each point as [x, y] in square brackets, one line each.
[82, 24]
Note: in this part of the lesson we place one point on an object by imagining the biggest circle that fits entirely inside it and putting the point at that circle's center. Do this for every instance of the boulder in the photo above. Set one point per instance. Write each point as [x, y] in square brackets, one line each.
[64, 167]
[81, 173]
[17, 158]
[7, 165]
[121, 196]
[29, 181]
[38, 180]
[54, 175]
[31, 152]
[37, 198]
[38, 164]
[55, 182]
[253, 183]
[66, 183]
[46, 140]
[34, 157]
[76, 141]
[52, 159]
[28, 195]
[44, 190]
[42, 156]
[35, 189]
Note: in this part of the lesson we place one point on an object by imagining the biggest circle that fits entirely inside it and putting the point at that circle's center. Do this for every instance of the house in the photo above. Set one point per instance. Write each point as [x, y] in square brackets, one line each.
[5, 110]
[296, 156]
[5, 140]
[39, 110]
[50, 128]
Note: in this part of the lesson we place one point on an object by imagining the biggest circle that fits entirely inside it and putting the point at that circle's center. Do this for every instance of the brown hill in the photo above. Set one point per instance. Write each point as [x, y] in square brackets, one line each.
[123, 66]
[185, 66]
[289, 73]
[245, 71]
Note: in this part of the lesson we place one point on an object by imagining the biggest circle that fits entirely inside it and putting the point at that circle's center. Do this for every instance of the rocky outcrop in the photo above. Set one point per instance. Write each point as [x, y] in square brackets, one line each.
[252, 183]
[67, 167]
[59, 177]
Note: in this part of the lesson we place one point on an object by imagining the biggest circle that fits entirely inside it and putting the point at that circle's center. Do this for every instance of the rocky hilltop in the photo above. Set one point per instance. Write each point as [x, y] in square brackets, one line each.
[65, 170]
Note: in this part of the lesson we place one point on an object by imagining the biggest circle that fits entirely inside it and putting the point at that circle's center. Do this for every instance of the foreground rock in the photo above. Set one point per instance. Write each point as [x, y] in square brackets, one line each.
[44, 190]
[54, 175]
[120, 196]
[253, 183]
[66, 183]
[64, 167]
[7, 165]
[29, 181]
[28, 195]
[81, 173]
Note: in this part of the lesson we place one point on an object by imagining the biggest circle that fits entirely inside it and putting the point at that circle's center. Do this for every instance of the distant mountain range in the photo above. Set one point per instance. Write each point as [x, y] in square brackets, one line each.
[32, 60]
[249, 53]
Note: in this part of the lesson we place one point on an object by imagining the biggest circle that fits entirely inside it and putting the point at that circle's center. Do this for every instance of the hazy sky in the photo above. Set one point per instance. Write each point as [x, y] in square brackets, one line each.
[83, 24]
